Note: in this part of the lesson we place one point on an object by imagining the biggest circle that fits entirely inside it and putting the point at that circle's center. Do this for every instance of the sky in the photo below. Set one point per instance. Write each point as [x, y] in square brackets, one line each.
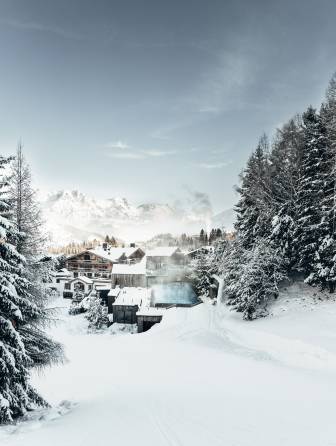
[153, 100]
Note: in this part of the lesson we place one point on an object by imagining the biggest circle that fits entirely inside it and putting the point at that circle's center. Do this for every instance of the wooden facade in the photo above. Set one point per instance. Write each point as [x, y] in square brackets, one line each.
[89, 265]
[125, 314]
[145, 322]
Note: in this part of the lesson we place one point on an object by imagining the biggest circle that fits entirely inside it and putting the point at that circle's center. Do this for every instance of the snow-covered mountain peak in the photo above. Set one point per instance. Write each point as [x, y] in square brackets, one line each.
[73, 216]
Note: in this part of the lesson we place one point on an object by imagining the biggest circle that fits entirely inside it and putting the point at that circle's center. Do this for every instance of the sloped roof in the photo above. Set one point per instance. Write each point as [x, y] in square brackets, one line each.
[134, 268]
[111, 254]
[133, 296]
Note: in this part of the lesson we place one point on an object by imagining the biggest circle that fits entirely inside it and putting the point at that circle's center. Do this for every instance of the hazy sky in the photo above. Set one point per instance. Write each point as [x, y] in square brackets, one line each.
[147, 98]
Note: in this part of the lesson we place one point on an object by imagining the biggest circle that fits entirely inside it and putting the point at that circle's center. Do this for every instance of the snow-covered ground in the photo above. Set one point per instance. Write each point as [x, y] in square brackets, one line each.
[201, 377]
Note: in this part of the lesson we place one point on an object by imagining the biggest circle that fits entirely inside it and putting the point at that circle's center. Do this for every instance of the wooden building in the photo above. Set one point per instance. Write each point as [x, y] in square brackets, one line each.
[82, 284]
[59, 279]
[147, 316]
[98, 263]
[127, 304]
[129, 275]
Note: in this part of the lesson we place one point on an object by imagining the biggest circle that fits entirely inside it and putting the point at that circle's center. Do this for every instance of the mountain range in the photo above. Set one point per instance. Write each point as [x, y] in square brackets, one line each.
[72, 216]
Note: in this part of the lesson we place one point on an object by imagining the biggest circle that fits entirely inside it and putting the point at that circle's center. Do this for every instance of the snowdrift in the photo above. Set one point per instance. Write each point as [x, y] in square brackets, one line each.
[202, 376]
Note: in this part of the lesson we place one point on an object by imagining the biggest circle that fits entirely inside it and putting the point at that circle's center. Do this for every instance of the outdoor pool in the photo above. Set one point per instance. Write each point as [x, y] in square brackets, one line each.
[177, 293]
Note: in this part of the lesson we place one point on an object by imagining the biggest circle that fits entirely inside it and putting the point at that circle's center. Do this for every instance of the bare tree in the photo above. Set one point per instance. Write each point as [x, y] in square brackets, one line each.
[25, 208]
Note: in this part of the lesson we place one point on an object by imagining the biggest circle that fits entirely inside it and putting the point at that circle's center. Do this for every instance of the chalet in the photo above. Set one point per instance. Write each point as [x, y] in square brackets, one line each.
[127, 304]
[81, 286]
[98, 263]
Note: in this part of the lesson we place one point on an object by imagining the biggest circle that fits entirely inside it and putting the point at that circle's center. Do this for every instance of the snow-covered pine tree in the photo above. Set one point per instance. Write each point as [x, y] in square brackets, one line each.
[312, 225]
[254, 206]
[29, 243]
[251, 278]
[97, 313]
[285, 161]
[16, 308]
[324, 271]
[230, 268]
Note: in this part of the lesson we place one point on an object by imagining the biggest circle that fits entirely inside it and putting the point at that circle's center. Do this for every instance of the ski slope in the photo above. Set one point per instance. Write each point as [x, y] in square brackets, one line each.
[202, 377]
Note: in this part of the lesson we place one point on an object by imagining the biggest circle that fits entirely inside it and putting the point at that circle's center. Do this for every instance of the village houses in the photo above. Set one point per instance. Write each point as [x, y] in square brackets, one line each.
[135, 286]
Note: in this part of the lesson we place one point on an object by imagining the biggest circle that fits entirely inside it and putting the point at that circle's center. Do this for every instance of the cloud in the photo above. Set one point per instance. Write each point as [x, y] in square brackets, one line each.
[158, 153]
[34, 26]
[127, 155]
[122, 150]
[117, 145]
[215, 165]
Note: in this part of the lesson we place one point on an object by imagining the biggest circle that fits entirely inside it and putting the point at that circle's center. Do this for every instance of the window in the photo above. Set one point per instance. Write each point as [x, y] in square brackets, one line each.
[87, 257]
[67, 286]
[57, 281]
[75, 274]
[89, 274]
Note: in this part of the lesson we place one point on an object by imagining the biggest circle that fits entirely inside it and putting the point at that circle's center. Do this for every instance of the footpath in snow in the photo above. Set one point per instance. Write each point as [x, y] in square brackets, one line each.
[201, 377]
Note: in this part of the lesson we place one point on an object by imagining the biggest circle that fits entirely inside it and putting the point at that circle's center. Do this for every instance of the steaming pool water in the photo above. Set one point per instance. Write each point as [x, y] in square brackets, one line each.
[178, 293]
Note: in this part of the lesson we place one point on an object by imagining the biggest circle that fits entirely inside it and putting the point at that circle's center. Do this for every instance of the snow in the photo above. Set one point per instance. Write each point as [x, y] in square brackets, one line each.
[114, 291]
[72, 216]
[148, 310]
[133, 296]
[203, 376]
[135, 268]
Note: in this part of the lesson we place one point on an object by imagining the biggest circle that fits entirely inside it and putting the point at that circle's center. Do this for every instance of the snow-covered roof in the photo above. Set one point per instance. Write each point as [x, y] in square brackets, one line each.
[133, 296]
[62, 273]
[83, 279]
[163, 251]
[147, 310]
[134, 268]
[113, 254]
[114, 291]
[207, 248]
[103, 287]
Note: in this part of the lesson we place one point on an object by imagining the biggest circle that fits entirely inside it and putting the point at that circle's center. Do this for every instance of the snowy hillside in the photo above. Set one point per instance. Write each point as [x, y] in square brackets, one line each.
[201, 377]
[73, 216]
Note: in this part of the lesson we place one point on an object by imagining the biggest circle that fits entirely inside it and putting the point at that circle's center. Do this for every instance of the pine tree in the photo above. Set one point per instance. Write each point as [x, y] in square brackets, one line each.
[312, 225]
[27, 220]
[254, 206]
[16, 309]
[97, 313]
[219, 233]
[251, 278]
[201, 270]
[286, 161]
